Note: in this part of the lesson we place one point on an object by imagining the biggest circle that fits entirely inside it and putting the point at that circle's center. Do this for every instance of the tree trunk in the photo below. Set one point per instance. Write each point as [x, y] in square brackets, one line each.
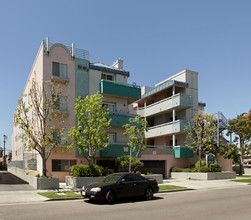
[44, 167]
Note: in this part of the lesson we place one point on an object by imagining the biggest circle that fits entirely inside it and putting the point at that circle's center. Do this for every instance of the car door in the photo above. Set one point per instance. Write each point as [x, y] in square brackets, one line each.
[139, 184]
[127, 182]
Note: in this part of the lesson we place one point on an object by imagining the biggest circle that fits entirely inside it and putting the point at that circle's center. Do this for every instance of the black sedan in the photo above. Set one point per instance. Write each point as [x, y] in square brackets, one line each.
[120, 185]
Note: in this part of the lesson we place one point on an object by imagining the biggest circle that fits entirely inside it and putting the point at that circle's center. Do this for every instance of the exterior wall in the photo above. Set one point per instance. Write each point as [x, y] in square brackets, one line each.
[60, 54]
[18, 149]
[226, 164]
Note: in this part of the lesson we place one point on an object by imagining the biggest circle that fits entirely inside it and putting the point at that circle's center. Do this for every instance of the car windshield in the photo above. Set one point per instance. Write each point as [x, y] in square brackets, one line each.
[113, 178]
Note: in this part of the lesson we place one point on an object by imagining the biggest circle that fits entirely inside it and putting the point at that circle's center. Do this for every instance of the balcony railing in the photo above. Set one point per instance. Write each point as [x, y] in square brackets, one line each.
[116, 150]
[120, 119]
[120, 89]
[178, 100]
[167, 128]
[79, 53]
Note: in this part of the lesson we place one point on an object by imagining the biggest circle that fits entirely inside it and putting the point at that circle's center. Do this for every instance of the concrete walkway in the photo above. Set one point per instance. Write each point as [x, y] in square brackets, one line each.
[12, 197]
[202, 184]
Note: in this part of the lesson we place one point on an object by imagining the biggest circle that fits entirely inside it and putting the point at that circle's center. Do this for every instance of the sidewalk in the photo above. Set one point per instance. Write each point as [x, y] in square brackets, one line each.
[12, 197]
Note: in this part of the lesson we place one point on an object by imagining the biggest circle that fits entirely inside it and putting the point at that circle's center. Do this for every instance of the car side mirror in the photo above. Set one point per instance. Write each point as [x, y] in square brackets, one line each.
[122, 181]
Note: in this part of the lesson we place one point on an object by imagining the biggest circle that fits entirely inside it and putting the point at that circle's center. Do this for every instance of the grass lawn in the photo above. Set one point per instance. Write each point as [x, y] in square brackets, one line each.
[242, 180]
[243, 176]
[169, 187]
[57, 195]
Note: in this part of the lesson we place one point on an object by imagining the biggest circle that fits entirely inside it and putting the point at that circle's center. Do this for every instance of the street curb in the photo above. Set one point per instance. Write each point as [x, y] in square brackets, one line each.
[75, 198]
[175, 190]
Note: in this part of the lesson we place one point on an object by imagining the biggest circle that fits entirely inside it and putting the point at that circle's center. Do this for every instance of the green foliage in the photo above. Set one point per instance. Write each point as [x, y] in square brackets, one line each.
[36, 116]
[86, 170]
[197, 165]
[90, 134]
[214, 168]
[106, 171]
[136, 129]
[201, 132]
[241, 127]
[123, 164]
[202, 169]
[231, 151]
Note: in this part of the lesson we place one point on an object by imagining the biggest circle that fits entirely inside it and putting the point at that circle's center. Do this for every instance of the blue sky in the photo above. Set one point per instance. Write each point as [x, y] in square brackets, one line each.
[156, 39]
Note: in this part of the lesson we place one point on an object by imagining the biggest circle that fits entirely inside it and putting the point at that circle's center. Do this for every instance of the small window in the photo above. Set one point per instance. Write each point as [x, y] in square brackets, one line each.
[110, 106]
[62, 165]
[112, 138]
[107, 77]
[129, 178]
[60, 103]
[59, 70]
[60, 136]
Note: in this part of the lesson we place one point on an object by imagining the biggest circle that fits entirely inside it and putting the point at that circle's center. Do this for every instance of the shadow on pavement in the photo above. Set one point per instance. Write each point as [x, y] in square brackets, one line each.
[121, 201]
[8, 178]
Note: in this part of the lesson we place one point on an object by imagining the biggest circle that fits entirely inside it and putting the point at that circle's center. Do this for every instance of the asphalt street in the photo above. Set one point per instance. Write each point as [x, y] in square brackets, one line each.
[228, 203]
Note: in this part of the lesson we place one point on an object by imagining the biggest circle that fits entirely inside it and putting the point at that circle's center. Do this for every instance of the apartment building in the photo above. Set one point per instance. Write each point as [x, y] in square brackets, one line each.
[72, 70]
[168, 107]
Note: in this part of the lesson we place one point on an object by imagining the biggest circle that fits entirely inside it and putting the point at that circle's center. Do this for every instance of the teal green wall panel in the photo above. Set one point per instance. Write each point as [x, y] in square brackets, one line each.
[116, 151]
[182, 100]
[120, 89]
[183, 152]
[119, 120]
[81, 78]
[180, 126]
[81, 84]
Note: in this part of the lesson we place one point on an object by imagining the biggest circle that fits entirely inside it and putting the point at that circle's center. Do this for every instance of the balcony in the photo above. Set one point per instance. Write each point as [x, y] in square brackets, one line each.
[178, 101]
[182, 152]
[60, 79]
[113, 88]
[116, 150]
[167, 128]
[119, 119]
[158, 150]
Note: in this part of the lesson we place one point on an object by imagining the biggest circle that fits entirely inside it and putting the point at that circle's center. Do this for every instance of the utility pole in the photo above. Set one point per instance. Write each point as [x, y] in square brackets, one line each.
[4, 140]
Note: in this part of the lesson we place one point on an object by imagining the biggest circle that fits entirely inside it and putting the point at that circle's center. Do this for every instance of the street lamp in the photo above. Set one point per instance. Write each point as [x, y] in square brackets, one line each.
[4, 140]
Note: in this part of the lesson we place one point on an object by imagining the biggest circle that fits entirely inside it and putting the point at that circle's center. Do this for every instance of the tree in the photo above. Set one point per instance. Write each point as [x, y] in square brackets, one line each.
[37, 115]
[241, 128]
[90, 134]
[136, 128]
[201, 134]
[123, 163]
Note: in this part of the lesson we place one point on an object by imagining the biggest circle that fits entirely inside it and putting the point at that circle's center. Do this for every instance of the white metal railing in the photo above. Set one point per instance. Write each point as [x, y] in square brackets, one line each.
[163, 100]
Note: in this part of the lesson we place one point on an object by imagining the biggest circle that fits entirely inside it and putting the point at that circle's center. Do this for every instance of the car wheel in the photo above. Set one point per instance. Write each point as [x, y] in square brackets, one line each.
[110, 197]
[149, 194]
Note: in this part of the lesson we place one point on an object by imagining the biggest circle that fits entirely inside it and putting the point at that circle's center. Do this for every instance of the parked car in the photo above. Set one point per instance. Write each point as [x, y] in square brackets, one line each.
[120, 185]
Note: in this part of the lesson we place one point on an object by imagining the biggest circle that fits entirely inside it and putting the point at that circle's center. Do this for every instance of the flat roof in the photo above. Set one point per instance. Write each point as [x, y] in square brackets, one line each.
[109, 69]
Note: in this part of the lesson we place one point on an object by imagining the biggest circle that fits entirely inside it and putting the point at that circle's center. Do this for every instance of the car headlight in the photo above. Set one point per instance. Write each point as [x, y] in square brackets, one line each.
[96, 189]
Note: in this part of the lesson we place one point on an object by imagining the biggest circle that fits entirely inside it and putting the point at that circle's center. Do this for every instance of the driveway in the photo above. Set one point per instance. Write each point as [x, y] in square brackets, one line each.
[10, 182]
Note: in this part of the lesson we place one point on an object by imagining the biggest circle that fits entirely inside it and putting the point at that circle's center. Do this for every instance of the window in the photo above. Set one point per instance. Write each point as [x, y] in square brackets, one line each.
[107, 77]
[112, 138]
[60, 136]
[110, 106]
[62, 165]
[129, 178]
[59, 70]
[60, 103]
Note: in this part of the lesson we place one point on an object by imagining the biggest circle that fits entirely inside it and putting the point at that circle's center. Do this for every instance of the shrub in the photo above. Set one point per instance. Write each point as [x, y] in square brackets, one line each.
[203, 164]
[176, 169]
[203, 169]
[107, 171]
[86, 170]
[214, 168]
[123, 164]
